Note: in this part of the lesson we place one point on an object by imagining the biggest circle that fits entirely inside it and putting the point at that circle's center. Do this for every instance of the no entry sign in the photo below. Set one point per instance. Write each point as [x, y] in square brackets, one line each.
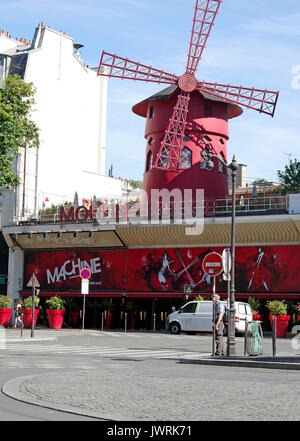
[212, 264]
[85, 273]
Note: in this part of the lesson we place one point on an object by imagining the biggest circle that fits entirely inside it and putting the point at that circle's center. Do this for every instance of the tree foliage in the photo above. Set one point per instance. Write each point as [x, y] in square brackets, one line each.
[17, 130]
[290, 177]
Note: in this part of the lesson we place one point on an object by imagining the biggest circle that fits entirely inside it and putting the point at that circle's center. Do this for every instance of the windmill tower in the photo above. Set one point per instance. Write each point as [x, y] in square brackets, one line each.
[189, 117]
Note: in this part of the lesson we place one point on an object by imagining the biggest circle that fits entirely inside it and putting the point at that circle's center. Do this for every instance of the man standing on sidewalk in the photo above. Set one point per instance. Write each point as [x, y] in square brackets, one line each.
[219, 325]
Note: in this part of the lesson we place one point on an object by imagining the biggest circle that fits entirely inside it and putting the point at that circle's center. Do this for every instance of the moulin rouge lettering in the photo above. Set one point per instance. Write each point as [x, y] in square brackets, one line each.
[71, 269]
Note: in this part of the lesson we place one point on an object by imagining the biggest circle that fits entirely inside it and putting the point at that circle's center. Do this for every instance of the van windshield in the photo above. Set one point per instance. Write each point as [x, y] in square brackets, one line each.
[189, 308]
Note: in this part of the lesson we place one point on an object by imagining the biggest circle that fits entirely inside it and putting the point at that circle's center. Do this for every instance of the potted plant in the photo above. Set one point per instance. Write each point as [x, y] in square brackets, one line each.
[55, 312]
[255, 306]
[27, 311]
[5, 311]
[131, 311]
[278, 309]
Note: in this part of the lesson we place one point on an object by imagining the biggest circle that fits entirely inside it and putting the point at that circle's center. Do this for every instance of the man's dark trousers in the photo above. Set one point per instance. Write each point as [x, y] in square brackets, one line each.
[220, 344]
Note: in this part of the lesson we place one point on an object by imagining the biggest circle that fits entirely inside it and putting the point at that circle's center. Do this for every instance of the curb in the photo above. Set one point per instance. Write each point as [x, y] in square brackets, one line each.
[12, 390]
[287, 363]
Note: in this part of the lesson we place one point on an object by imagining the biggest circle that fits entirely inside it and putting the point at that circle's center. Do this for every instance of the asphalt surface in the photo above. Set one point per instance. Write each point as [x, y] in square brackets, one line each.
[74, 375]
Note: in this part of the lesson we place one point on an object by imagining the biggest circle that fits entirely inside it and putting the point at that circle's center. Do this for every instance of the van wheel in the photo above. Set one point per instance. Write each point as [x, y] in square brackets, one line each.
[175, 328]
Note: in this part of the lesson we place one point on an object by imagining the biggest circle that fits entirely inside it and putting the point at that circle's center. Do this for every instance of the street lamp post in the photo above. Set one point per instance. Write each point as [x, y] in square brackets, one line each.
[231, 294]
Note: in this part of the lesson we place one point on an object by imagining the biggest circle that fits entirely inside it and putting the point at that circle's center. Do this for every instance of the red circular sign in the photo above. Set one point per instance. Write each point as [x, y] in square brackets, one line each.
[85, 273]
[212, 264]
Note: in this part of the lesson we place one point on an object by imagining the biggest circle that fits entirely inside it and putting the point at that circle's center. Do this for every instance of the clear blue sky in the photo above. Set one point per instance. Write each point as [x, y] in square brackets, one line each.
[254, 43]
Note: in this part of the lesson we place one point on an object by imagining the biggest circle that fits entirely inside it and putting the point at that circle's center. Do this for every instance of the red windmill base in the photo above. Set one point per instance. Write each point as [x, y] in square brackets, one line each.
[188, 117]
[206, 126]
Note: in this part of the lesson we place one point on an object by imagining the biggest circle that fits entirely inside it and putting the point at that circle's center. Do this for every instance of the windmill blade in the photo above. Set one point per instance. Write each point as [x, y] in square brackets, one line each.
[169, 154]
[205, 14]
[263, 101]
[117, 67]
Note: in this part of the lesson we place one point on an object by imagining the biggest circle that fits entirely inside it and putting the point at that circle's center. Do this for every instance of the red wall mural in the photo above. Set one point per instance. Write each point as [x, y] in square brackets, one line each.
[59, 270]
[258, 270]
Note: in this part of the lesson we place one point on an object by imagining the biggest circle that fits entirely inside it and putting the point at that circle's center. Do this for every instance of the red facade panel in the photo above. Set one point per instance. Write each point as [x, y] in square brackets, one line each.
[259, 270]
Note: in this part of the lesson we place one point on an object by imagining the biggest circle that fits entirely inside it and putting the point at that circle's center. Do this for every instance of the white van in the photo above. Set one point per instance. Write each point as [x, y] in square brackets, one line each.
[197, 316]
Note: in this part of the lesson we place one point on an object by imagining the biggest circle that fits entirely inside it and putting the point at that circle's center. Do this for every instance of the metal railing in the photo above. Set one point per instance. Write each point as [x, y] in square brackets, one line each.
[168, 210]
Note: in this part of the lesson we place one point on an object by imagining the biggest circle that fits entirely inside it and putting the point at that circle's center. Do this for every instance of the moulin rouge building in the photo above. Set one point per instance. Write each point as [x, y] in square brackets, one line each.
[145, 268]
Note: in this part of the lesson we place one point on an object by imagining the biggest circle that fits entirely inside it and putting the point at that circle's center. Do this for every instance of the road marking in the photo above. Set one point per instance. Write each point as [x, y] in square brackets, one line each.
[103, 351]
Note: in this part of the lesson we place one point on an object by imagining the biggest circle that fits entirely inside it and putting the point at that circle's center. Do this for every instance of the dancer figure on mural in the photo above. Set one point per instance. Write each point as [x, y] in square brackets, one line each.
[165, 266]
[258, 270]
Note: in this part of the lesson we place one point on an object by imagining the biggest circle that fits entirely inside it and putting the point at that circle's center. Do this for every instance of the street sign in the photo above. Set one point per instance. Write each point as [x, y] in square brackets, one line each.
[85, 286]
[85, 273]
[33, 282]
[188, 289]
[226, 262]
[212, 264]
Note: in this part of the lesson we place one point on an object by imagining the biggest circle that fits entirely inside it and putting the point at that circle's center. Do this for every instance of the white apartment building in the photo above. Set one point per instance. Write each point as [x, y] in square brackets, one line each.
[71, 106]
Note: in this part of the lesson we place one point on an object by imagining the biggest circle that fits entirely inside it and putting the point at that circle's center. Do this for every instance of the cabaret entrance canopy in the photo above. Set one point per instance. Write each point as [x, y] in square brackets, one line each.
[190, 116]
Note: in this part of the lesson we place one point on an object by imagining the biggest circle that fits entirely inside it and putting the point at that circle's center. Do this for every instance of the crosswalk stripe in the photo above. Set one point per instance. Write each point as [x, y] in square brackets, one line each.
[107, 351]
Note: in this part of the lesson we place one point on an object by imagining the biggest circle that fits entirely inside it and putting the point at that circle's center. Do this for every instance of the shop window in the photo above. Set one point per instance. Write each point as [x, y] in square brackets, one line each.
[149, 161]
[186, 158]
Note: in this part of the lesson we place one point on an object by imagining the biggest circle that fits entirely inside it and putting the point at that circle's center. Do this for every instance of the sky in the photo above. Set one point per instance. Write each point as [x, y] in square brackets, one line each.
[253, 43]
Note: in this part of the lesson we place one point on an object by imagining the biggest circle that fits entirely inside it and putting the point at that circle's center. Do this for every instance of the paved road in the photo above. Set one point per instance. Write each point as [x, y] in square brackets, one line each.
[136, 376]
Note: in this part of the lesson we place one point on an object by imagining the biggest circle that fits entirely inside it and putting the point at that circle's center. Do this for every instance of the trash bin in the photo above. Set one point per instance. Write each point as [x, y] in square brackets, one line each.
[254, 338]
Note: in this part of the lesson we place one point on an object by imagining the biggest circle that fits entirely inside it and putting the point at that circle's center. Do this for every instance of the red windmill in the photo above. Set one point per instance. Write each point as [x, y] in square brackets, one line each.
[180, 127]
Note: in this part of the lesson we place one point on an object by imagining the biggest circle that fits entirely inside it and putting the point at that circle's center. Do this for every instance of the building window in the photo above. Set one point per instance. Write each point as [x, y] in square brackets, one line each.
[149, 161]
[2, 67]
[204, 160]
[186, 158]
[207, 110]
[221, 141]
[151, 112]
[151, 140]
[207, 140]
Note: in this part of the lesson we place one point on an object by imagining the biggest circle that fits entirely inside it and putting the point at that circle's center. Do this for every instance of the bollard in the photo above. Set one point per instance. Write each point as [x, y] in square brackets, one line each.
[245, 337]
[125, 326]
[22, 325]
[274, 335]
[102, 321]
[154, 321]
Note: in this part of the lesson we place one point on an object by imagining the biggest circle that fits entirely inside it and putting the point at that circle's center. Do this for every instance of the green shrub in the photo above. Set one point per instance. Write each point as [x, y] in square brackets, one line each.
[255, 305]
[27, 303]
[276, 307]
[5, 302]
[199, 298]
[55, 303]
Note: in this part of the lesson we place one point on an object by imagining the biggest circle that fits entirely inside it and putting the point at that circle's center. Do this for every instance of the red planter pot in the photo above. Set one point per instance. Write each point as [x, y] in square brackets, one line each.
[107, 320]
[55, 318]
[5, 316]
[282, 324]
[27, 317]
[257, 317]
[74, 316]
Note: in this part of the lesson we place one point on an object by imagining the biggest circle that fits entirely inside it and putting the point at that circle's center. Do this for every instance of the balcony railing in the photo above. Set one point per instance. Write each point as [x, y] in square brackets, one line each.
[172, 211]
